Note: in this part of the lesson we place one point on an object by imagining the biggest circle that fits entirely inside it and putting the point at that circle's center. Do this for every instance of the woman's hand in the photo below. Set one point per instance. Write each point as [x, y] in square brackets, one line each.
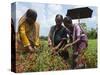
[54, 50]
[31, 49]
[49, 42]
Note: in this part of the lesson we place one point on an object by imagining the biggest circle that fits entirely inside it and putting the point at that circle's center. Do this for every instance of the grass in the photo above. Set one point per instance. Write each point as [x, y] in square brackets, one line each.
[42, 60]
[91, 54]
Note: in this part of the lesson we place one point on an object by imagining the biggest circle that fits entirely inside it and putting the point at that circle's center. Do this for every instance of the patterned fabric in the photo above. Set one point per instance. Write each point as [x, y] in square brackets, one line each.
[82, 43]
[79, 47]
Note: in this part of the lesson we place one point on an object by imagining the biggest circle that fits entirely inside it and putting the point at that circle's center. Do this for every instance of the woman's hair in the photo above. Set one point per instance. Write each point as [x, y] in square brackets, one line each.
[67, 19]
[60, 16]
[31, 14]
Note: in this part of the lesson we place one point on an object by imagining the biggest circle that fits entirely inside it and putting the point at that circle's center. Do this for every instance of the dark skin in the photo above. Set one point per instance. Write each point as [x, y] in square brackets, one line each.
[80, 57]
[71, 28]
[58, 21]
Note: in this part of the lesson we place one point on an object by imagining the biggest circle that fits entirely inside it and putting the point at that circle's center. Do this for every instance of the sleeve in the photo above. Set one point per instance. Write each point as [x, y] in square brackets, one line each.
[78, 31]
[23, 36]
[37, 42]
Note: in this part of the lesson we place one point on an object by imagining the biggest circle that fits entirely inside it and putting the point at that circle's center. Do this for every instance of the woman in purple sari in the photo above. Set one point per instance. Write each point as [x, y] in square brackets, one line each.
[78, 41]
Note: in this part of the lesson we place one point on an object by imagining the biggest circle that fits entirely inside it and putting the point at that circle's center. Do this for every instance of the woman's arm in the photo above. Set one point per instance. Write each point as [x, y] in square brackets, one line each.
[70, 44]
[77, 33]
[57, 47]
[49, 40]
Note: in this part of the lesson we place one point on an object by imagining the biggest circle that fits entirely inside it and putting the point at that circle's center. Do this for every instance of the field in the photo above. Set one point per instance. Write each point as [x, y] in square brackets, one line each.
[42, 60]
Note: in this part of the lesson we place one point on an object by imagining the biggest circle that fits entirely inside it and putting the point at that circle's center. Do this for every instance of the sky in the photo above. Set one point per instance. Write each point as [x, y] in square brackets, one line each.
[47, 12]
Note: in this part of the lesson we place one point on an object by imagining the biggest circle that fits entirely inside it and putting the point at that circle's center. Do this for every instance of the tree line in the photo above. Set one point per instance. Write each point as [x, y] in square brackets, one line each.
[91, 32]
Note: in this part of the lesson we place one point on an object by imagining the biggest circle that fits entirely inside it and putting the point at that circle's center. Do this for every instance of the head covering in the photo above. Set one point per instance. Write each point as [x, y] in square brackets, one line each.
[31, 14]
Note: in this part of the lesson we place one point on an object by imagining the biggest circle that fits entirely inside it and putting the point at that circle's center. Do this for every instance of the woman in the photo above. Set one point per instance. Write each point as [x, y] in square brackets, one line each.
[78, 41]
[57, 38]
[29, 30]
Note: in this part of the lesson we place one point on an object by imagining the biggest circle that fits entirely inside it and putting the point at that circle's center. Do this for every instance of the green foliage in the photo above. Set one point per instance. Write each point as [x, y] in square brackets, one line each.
[92, 34]
[42, 60]
[91, 54]
[84, 26]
